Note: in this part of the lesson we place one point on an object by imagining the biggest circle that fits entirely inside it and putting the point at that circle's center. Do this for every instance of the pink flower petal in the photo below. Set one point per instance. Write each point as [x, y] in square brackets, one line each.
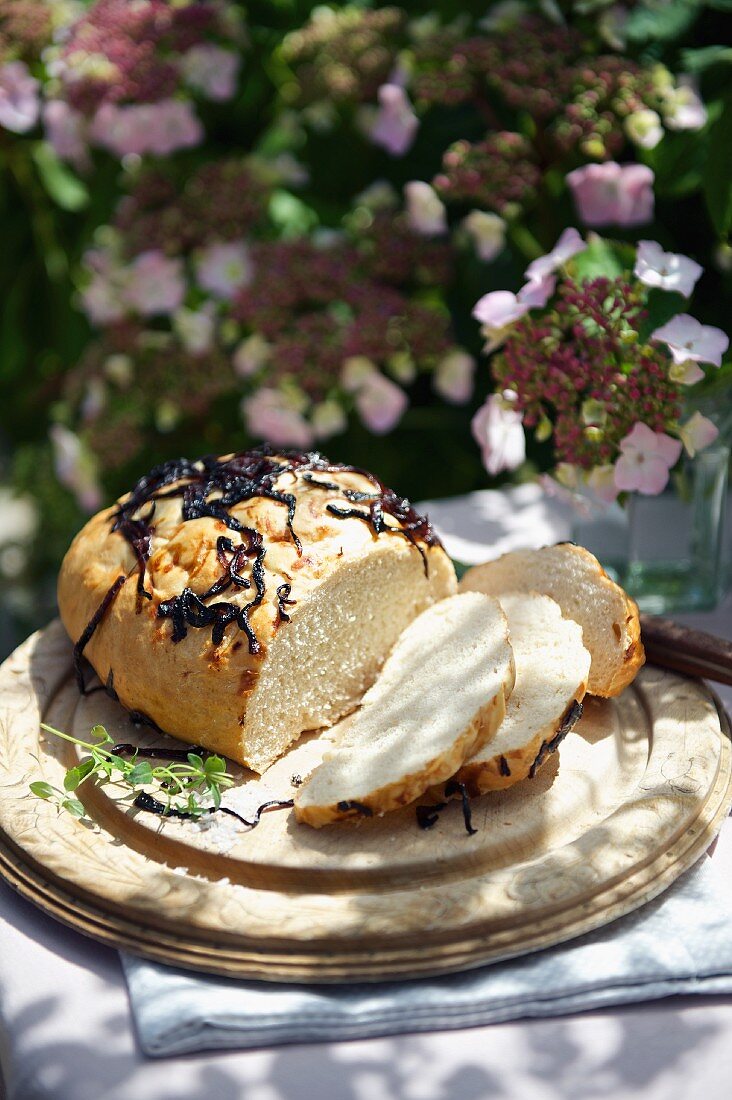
[568, 245]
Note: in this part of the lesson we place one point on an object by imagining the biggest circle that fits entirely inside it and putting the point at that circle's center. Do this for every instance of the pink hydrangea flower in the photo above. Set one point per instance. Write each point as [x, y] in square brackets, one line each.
[568, 245]
[223, 268]
[380, 403]
[536, 293]
[613, 194]
[66, 131]
[453, 378]
[269, 415]
[687, 339]
[425, 212]
[103, 299]
[395, 126]
[697, 433]
[499, 310]
[75, 468]
[211, 70]
[155, 284]
[20, 103]
[487, 232]
[157, 128]
[667, 270]
[499, 432]
[601, 483]
[646, 458]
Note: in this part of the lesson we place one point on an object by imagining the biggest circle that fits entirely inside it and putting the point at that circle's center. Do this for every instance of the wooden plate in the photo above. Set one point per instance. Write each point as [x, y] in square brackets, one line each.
[640, 790]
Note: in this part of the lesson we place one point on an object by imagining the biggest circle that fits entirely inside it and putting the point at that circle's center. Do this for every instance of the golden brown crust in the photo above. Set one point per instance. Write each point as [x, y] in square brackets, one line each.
[481, 578]
[506, 769]
[193, 689]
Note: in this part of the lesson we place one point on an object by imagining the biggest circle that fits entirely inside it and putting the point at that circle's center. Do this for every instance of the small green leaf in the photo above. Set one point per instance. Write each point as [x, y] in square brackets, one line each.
[75, 808]
[195, 760]
[77, 775]
[214, 765]
[661, 306]
[216, 796]
[697, 61]
[660, 19]
[100, 733]
[42, 790]
[66, 189]
[141, 774]
[718, 175]
[598, 259]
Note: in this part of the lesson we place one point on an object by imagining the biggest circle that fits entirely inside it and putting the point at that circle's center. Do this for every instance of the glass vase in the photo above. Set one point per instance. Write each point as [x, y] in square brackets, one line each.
[669, 551]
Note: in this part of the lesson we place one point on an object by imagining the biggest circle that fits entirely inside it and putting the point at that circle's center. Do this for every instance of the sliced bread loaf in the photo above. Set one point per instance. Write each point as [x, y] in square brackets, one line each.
[439, 697]
[552, 667]
[585, 593]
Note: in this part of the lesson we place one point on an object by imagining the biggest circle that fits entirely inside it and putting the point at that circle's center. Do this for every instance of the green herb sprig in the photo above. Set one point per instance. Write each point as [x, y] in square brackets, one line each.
[192, 788]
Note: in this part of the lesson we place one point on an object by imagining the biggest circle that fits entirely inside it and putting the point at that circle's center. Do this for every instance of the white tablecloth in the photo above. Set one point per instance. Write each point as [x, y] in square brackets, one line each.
[66, 1034]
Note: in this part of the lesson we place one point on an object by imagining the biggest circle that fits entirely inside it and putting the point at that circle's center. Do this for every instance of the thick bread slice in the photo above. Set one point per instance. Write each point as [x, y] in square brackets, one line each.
[440, 695]
[585, 593]
[552, 667]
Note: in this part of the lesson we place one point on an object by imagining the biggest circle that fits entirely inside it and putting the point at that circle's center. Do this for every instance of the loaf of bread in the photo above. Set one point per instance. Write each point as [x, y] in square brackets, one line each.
[576, 580]
[439, 697]
[236, 602]
[552, 668]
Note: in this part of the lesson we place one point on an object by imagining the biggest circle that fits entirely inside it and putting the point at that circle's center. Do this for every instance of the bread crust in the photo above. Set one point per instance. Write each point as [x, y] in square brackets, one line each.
[194, 689]
[632, 657]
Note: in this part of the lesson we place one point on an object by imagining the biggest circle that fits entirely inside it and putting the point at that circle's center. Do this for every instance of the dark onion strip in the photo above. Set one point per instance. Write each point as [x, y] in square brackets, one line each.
[283, 593]
[358, 808]
[145, 801]
[427, 816]
[454, 787]
[158, 752]
[91, 626]
[570, 720]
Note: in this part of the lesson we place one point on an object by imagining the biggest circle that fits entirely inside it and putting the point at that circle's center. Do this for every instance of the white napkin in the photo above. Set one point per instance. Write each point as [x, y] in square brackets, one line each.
[679, 943]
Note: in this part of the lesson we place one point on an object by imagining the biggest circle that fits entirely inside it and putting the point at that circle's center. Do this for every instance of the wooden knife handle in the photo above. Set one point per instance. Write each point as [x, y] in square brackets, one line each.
[682, 649]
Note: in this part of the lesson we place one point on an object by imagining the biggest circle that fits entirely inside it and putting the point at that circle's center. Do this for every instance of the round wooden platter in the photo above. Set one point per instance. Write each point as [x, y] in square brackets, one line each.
[641, 788]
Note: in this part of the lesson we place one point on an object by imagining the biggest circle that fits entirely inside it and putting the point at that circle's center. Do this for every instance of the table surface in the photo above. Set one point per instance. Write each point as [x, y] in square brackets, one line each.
[66, 1034]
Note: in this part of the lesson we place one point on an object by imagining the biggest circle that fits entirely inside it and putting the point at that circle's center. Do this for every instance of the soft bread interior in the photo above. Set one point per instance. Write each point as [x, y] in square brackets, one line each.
[320, 664]
[552, 667]
[576, 580]
[439, 697]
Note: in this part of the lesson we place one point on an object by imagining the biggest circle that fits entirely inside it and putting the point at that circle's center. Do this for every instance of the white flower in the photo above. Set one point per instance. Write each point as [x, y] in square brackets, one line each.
[425, 212]
[195, 328]
[356, 370]
[687, 339]
[211, 70]
[20, 103]
[487, 232]
[223, 268]
[683, 108]
[667, 270]
[394, 126]
[269, 414]
[251, 355]
[644, 128]
[75, 468]
[453, 378]
[328, 418]
[697, 433]
[380, 403]
[568, 245]
[498, 431]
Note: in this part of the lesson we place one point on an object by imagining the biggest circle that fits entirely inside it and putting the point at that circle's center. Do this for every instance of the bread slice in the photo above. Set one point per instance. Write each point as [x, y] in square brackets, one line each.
[585, 593]
[440, 695]
[552, 667]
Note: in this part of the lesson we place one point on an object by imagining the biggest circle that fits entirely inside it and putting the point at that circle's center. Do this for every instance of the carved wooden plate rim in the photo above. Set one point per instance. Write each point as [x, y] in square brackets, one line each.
[227, 928]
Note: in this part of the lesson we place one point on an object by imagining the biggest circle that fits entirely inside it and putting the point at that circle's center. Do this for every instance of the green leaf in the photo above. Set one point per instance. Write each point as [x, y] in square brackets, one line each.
[718, 175]
[195, 760]
[75, 808]
[42, 790]
[600, 258]
[699, 60]
[60, 183]
[661, 19]
[101, 735]
[291, 215]
[214, 765]
[661, 306]
[141, 774]
[215, 796]
[77, 775]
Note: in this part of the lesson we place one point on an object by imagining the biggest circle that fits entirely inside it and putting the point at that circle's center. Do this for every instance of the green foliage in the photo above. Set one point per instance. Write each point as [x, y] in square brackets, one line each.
[193, 788]
[718, 176]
